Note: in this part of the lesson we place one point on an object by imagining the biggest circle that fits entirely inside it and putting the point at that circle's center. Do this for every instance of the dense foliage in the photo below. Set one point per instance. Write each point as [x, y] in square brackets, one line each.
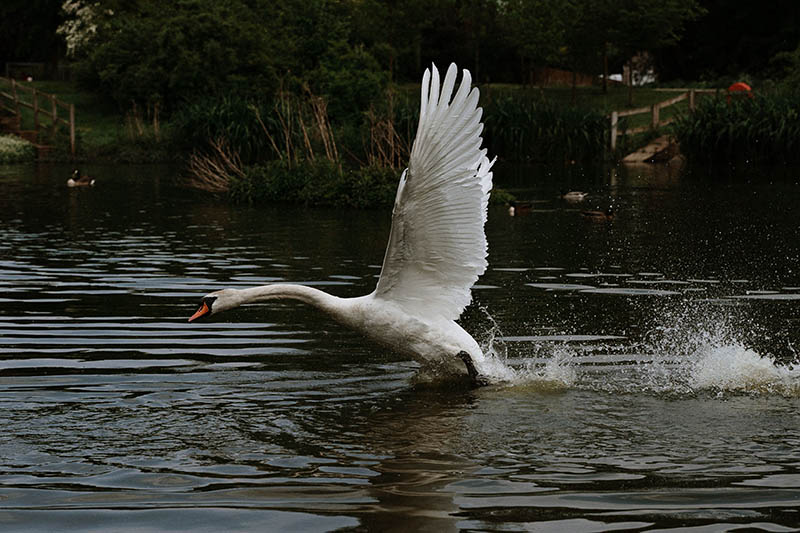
[319, 183]
[523, 127]
[315, 87]
[724, 132]
[15, 150]
[731, 40]
[167, 54]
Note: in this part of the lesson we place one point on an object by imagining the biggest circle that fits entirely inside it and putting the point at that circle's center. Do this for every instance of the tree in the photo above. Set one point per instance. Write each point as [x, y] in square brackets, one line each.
[28, 31]
[731, 38]
[630, 26]
[536, 28]
[151, 53]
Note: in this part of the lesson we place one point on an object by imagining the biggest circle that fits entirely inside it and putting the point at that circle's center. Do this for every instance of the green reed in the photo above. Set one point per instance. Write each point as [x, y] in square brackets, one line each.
[525, 127]
[741, 130]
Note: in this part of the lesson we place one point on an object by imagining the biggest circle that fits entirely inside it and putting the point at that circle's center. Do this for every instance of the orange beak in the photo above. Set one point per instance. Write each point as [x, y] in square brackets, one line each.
[204, 310]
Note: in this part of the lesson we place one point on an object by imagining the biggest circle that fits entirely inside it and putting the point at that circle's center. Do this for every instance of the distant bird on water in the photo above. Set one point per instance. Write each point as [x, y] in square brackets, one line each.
[573, 196]
[79, 181]
[437, 246]
[598, 215]
[519, 208]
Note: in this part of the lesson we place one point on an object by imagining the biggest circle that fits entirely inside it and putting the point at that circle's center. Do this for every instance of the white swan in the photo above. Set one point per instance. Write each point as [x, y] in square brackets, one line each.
[437, 246]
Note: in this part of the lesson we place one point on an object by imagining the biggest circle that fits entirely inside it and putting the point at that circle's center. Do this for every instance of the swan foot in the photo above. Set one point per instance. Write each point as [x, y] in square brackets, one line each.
[477, 379]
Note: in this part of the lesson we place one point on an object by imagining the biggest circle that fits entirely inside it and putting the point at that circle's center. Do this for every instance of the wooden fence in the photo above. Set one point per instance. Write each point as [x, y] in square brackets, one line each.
[655, 114]
[42, 104]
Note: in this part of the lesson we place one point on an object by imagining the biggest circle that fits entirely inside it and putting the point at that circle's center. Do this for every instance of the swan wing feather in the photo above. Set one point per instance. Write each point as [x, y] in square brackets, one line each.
[437, 247]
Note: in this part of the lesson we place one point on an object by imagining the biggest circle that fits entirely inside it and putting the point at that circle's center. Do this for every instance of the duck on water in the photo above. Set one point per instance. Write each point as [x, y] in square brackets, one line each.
[436, 251]
[77, 180]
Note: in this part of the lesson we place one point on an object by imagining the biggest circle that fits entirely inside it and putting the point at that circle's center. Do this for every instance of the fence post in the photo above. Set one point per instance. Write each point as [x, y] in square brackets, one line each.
[35, 110]
[614, 120]
[54, 116]
[654, 110]
[691, 99]
[72, 129]
[16, 97]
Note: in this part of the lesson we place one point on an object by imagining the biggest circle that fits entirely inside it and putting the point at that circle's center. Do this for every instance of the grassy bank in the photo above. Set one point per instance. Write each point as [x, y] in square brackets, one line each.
[762, 129]
[291, 150]
[102, 131]
[105, 132]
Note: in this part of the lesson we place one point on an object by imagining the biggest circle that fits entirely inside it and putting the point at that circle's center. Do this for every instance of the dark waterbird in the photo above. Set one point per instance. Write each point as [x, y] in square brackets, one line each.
[77, 180]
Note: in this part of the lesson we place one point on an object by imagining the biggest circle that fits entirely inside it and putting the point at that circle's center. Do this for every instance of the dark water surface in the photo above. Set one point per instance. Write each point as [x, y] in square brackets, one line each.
[652, 388]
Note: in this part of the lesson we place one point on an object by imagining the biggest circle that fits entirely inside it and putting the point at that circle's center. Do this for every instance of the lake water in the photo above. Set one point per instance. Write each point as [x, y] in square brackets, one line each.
[654, 356]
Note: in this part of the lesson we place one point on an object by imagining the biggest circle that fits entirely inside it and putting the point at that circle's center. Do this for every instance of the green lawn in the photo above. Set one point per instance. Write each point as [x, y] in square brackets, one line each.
[102, 131]
[97, 121]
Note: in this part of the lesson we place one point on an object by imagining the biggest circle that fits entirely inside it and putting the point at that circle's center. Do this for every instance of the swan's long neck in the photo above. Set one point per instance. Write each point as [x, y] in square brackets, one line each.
[277, 291]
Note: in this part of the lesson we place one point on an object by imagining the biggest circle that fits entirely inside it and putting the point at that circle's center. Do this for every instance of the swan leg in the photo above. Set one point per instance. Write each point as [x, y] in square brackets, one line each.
[476, 379]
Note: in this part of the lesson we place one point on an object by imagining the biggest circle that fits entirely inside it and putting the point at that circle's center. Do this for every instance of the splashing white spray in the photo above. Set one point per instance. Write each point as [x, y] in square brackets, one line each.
[731, 367]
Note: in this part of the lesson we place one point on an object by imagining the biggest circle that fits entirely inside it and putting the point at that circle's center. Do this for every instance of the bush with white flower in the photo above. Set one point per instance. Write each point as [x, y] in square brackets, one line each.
[15, 150]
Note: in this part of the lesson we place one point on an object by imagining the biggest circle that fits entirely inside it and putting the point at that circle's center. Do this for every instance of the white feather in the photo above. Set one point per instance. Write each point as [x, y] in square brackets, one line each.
[437, 246]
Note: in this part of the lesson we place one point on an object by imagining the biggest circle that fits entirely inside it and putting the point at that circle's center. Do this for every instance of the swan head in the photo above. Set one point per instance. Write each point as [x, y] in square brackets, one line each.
[217, 302]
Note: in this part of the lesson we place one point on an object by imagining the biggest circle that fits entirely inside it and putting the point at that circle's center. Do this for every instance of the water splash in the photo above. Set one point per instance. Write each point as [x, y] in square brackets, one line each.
[732, 367]
[495, 365]
[683, 361]
[558, 373]
[715, 352]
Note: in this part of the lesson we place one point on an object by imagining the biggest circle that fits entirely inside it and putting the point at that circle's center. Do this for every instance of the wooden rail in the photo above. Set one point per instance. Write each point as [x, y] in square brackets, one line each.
[11, 100]
[655, 114]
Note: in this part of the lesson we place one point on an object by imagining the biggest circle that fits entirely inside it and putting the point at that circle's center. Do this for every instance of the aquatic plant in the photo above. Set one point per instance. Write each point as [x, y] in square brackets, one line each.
[318, 182]
[528, 128]
[15, 150]
[722, 131]
[198, 123]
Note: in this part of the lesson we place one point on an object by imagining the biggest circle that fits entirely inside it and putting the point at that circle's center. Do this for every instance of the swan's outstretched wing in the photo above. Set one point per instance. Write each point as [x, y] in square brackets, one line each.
[437, 247]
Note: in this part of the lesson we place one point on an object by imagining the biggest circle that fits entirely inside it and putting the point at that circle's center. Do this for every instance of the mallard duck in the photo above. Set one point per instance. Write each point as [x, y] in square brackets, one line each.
[598, 215]
[79, 181]
[519, 208]
[573, 196]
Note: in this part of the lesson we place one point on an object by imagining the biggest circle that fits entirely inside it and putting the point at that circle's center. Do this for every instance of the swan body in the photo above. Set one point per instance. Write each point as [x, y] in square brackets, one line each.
[79, 181]
[437, 247]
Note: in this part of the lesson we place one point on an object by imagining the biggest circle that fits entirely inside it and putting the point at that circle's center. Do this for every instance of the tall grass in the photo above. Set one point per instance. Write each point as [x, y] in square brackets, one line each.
[762, 129]
[524, 127]
[200, 122]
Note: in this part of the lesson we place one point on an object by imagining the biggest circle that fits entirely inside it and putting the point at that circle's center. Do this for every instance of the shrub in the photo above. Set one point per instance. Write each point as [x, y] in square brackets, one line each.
[321, 182]
[15, 150]
[763, 129]
[525, 128]
[231, 117]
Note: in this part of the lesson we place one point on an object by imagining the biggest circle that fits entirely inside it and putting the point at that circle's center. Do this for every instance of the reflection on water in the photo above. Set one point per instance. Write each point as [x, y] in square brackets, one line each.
[656, 381]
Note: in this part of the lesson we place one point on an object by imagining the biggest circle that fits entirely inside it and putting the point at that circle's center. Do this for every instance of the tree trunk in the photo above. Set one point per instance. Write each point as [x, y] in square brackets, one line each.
[605, 67]
[630, 84]
[574, 82]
